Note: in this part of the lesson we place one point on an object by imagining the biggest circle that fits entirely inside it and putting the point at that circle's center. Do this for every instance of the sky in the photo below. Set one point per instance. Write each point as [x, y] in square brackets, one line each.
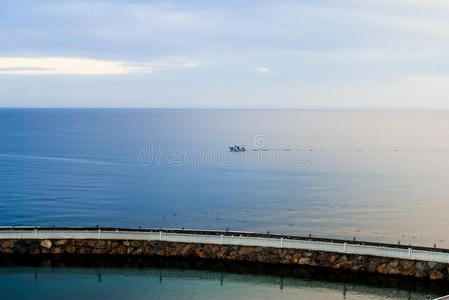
[318, 54]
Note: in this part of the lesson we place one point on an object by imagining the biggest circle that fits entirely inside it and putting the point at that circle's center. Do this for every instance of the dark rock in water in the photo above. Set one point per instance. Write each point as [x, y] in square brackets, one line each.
[20, 247]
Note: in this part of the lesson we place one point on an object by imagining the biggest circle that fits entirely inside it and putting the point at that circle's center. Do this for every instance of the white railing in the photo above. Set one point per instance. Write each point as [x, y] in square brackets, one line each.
[379, 251]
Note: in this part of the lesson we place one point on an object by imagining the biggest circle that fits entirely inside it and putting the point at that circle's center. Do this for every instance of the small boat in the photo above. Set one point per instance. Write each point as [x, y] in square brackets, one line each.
[237, 148]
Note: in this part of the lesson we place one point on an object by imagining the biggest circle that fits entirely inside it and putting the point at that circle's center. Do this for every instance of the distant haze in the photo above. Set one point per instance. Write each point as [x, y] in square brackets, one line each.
[256, 54]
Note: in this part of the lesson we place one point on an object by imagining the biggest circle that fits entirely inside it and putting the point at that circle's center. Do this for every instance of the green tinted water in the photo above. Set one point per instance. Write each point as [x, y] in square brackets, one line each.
[150, 283]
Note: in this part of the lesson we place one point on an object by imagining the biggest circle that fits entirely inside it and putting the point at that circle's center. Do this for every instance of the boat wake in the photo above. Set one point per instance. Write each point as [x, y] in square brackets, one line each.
[66, 159]
[347, 150]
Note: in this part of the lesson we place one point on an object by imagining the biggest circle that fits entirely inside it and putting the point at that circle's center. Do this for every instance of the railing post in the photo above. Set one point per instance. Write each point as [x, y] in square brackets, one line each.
[281, 241]
[344, 247]
[410, 253]
[160, 235]
[221, 239]
[99, 233]
[35, 232]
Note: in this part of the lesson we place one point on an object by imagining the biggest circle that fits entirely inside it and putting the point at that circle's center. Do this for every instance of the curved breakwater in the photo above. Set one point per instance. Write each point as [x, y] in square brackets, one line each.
[395, 260]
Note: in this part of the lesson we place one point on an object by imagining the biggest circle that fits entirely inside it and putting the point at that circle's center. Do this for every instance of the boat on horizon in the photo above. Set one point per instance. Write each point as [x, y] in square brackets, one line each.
[237, 148]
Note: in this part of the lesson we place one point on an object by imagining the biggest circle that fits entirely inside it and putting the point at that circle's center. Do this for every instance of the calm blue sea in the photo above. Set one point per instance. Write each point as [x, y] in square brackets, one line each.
[375, 175]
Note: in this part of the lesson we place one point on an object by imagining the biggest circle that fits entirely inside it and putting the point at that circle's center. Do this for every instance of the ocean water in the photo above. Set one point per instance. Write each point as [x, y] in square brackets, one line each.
[36, 283]
[373, 175]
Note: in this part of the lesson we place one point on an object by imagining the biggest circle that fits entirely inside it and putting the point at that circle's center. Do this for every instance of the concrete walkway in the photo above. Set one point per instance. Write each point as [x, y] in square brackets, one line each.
[229, 238]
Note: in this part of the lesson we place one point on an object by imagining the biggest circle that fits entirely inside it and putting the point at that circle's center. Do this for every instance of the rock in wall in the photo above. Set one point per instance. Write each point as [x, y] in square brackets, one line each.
[355, 263]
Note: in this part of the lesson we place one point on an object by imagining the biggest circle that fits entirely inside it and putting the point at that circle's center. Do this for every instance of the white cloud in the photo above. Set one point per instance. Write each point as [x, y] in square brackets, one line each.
[80, 66]
[262, 70]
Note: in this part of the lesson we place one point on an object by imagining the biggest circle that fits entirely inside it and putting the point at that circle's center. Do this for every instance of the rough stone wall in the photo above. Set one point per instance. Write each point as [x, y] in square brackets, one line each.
[356, 263]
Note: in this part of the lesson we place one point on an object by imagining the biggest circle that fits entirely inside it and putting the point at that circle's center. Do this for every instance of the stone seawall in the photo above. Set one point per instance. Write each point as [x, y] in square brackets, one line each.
[292, 257]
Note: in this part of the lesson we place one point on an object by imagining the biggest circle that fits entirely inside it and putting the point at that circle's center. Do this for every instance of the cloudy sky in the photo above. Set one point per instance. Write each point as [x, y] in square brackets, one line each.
[233, 53]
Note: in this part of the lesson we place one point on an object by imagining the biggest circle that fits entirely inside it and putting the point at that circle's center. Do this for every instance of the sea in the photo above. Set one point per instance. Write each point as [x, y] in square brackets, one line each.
[371, 175]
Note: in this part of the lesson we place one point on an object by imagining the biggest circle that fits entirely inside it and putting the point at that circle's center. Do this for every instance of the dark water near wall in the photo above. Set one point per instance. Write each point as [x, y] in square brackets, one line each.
[376, 175]
[159, 279]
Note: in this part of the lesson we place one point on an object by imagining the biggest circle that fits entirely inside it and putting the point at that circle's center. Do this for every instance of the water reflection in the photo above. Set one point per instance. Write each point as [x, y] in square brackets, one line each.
[169, 279]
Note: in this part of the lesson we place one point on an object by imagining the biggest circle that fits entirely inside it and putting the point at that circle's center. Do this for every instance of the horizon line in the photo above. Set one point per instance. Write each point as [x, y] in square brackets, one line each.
[228, 108]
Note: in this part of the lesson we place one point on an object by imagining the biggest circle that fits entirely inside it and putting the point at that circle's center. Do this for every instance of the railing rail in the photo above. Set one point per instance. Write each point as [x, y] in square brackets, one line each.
[400, 253]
